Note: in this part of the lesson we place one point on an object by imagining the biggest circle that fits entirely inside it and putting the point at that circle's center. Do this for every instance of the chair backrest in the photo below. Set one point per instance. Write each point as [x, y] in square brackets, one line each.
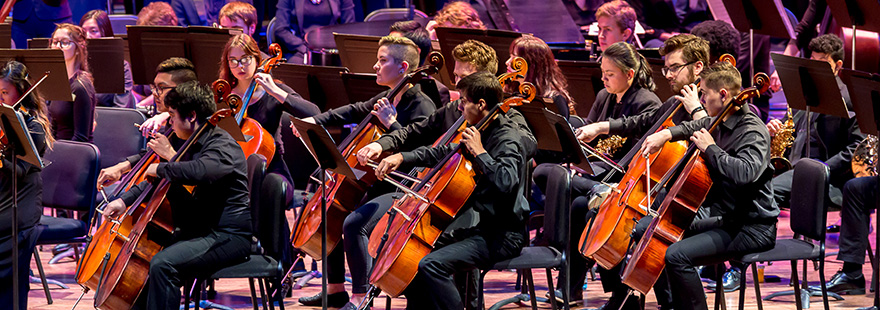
[115, 134]
[69, 179]
[557, 208]
[270, 32]
[272, 230]
[256, 172]
[809, 198]
[393, 14]
[119, 21]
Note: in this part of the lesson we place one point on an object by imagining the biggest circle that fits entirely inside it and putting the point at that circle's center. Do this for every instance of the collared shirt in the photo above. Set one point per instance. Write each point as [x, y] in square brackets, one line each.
[739, 165]
[216, 167]
[635, 101]
[414, 106]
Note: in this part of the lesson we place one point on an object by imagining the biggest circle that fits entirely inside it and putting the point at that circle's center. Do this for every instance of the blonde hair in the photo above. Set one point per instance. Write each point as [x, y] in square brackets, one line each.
[460, 14]
[402, 49]
[237, 10]
[157, 14]
[478, 54]
[621, 12]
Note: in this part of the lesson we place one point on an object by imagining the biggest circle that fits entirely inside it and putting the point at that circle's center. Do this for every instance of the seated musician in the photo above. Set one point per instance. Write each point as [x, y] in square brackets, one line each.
[499, 157]
[74, 120]
[543, 72]
[617, 23]
[411, 29]
[213, 223]
[737, 155]
[458, 14]
[169, 73]
[832, 139]
[859, 199]
[13, 84]
[396, 57]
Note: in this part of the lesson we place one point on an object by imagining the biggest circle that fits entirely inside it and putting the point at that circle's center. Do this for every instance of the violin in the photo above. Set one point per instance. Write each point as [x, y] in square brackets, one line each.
[307, 235]
[126, 275]
[4, 140]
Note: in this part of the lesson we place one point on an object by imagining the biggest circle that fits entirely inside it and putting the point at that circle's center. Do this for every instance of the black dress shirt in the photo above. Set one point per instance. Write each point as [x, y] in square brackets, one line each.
[635, 101]
[74, 120]
[739, 165]
[30, 185]
[414, 106]
[216, 167]
[268, 111]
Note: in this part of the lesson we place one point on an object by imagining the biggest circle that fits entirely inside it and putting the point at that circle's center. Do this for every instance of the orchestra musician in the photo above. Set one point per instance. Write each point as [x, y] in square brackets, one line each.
[543, 72]
[859, 199]
[499, 157]
[13, 84]
[74, 120]
[213, 223]
[737, 154]
[617, 23]
[96, 24]
[396, 57]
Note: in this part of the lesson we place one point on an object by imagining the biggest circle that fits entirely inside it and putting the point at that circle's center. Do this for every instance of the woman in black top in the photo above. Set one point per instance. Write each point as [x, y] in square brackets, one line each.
[543, 72]
[74, 120]
[96, 24]
[239, 63]
[14, 83]
[296, 17]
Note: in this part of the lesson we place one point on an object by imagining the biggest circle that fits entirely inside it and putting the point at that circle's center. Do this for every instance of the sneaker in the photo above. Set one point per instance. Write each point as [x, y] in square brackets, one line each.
[730, 280]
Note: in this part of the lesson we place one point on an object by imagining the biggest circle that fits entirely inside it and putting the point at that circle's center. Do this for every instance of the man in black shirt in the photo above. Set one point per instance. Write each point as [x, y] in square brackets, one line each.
[499, 158]
[737, 154]
[213, 222]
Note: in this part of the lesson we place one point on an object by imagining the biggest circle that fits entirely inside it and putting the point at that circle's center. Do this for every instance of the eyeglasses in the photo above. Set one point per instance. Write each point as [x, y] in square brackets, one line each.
[244, 61]
[61, 43]
[674, 69]
[157, 90]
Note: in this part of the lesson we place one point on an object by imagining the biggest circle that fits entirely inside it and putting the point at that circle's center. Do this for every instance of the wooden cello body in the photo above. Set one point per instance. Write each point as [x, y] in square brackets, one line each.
[344, 194]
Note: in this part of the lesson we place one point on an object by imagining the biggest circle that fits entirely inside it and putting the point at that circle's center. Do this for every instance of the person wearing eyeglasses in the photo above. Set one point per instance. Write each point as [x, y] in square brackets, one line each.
[74, 120]
[96, 24]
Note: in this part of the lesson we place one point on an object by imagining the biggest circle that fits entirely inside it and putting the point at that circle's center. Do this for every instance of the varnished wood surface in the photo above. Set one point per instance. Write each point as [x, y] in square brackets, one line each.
[499, 285]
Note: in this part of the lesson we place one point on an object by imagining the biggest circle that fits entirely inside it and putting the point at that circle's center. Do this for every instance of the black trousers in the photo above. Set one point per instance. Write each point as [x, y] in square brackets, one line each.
[434, 286]
[859, 198]
[356, 232]
[27, 237]
[336, 257]
[782, 190]
[189, 258]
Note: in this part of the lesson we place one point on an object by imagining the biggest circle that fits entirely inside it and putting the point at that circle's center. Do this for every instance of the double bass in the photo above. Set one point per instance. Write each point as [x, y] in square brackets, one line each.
[343, 194]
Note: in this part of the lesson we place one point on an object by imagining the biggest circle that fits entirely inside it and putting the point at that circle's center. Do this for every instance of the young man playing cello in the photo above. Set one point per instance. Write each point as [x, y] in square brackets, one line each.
[499, 158]
[213, 223]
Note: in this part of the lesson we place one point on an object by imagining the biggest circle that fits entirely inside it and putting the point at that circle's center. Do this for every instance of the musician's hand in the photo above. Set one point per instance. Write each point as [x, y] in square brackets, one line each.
[589, 132]
[654, 142]
[773, 126]
[775, 83]
[307, 120]
[269, 85]
[153, 124]
[151, 170]
[690, 97]
[385, 112]
[161, 146]
[113, 173]
[114, 209]
[387, 165]
[471, 140]
[369, 152]
[702, 139]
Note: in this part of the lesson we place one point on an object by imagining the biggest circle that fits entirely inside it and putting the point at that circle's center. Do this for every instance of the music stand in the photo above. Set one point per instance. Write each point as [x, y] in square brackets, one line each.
[864, 90]
[22, 147]
[661, 88]
[106, 63]
[584, 83]
[855, 13]
[318, 84]
[357, 52]
[361, 87]
[5, 35]
[319, 143]
[554, 133]
[56, 86]
[154, 44]
[499, 40]
[754, 16]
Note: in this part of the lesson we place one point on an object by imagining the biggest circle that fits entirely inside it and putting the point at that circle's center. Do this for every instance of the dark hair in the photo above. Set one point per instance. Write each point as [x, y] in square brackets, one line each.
[191, 97]
[101, 19]
[543, 70]
[722, 75]
[422, 39]
[181, 69]
[627, 58]
[722, 38]
[16, 73]
[481, 85]
[405, 26]
[827, 44]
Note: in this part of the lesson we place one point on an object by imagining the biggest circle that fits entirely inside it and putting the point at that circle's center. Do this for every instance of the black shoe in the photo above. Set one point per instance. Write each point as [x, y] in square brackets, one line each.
[841, 283]
[730, 280]
[573, 298]
[833, 228]
[335, 300]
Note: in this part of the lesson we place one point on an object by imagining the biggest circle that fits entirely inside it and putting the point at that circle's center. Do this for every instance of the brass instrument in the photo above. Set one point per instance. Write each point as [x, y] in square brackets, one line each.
[610, 145]
[781, 142]
[864, 159]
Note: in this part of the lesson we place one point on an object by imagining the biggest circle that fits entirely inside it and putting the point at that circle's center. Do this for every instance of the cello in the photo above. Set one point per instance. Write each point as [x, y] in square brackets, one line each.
[344, 194]
[680, 206]
[440, 196]
[127, 274]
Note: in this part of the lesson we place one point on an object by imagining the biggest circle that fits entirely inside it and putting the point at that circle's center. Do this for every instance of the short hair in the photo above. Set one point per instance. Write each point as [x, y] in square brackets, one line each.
[181, 69]
[405, 26]
[191, 97]
[621, 12]
[693, 48]
[402, 49]
[422, 39]
[827, 44]
[237, 10]
[157, 14]
[722, 38]
[481, 85]
[478, 54]
[101, 19]
[722, 75]
[460, 14]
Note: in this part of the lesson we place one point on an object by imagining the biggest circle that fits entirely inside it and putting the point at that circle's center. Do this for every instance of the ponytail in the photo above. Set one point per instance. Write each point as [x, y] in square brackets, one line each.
[627, 58]
[643, 74]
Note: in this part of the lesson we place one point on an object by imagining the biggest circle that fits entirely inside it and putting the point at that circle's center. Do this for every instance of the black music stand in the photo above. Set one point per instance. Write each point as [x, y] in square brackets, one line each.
[662, 88]
[318, 84]
[357, 52]
[499, 40]
[5, 35]
[554, 133]
[864, 89]
[56, 86]
[22, 147]
[584, 82]
[230, 125]
[755, 16]
[106, 63]
[154, 44]
[361, 86]
[324, 150]
[853, 14]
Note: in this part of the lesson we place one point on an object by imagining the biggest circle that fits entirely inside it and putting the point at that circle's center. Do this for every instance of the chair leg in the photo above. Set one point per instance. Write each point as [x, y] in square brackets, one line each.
[388, 302]
[531, 284]
[742, 286]
[187, 294]
[552, 290]
[253, 294]
[42, 276]
[757, 284]
[266, 297]
[196, 293]
[263, 294]
[797, 286]
[720, 299]
[822, 281]
[482, 301]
